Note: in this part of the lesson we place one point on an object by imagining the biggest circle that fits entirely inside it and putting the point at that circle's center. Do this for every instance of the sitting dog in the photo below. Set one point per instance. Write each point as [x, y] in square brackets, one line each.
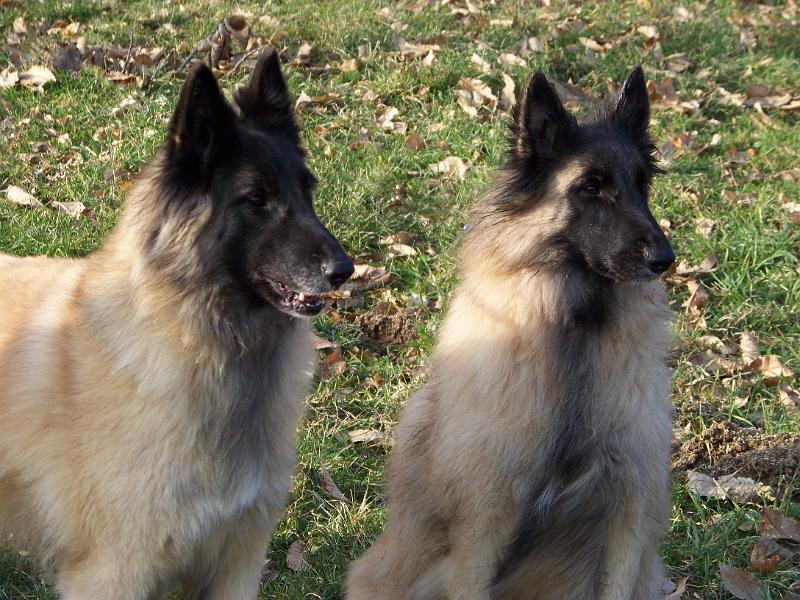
[149, 393]
[535, 463]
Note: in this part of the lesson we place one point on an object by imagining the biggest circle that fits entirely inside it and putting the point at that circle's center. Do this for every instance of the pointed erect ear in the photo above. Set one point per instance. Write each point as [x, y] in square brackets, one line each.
[542, 123]
[632, 112]
[202, 119]
[266, 99]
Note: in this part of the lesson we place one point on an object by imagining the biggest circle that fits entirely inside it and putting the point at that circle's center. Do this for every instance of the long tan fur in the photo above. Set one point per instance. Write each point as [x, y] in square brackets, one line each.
[115, 387]
[470, 442]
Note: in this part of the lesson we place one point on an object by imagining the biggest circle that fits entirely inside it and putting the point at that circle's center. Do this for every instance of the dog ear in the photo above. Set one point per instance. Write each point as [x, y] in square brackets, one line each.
[542, 124]
[632, 112]
[201, 120]
[266, 99]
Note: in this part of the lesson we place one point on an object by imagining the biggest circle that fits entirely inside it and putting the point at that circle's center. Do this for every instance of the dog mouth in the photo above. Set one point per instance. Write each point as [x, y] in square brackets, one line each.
[293, 301]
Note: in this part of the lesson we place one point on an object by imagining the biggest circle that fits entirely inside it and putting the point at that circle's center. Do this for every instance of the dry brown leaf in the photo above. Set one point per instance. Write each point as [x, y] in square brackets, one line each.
[320, 343]
[452, 168]
[704, 226]
[414, 141]
[766, 554]
[790, 399]
[698, 295]
[512, 60]
[384, 118]
[680, 587]
[8, 78]
[740, 583]
[748, 345]
[480, 63]
[415, 50]
[776, 525]
[793, 211]
[329, 485]
[73, 209]
[772, 370]
[712, 342]
[36, 77]
[295, 559]
[474, 94]
[706, 266]
[350, 65]
[570, 95]
[332, 364]
[401, 237]
[741, 489]
[507, 98]
[395, 250]
[366, 436]
[68, 59]
[19, 196]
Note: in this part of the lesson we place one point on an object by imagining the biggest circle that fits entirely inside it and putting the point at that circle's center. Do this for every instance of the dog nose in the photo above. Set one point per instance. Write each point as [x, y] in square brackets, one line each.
[337, 270]
[659, 259]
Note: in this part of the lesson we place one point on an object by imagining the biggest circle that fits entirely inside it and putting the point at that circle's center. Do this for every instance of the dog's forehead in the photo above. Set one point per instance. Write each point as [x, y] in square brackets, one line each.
[611, 152]
[268, 152]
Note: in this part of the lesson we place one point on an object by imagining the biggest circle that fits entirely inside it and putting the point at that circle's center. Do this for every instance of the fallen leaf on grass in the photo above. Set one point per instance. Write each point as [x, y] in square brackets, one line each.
[414, 141]
[401, 237]
[19, 196]
[512, 60]
[680, 587]
[350, 65]
[793, 211]
[365, 436]
[507, 98]
[766, 554]
[452, 168]
[414, 50]
[295, 559]
[73, 209]
[740, 583]
[748, 345]
[332, 364]
[741, 489]
[329, 485]
[8, 78]
[704, 226]
[570, 95]
[36, 77]
[698, 295]
[395, 250]
[776, 525]
[482, 65]
[706, 266]
[320, 343]
[474, 94]
[772, 370]
[790, 399]
[384, 118]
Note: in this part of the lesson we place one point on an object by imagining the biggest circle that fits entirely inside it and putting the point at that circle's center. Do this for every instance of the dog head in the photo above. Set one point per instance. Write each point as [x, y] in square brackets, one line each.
[583, 188]
[243, 167]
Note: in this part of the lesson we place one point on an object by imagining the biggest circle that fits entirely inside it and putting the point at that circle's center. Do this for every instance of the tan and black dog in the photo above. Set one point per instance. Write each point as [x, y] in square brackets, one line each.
[534, 464]
[149, 393]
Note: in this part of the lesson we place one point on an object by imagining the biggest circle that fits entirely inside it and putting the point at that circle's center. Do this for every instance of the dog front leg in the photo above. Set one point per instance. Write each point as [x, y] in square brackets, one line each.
[239, 564]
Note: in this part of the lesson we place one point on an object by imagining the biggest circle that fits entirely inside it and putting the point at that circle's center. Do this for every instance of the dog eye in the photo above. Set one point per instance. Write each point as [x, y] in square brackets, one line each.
[256, 199]
[591, 189]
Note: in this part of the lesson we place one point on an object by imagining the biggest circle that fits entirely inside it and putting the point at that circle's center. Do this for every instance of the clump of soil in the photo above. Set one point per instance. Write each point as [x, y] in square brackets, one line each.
[725, 448]
[385, 328]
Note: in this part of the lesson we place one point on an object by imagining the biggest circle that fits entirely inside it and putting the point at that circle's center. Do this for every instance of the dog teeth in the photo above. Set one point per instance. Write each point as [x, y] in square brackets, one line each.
[301, 296]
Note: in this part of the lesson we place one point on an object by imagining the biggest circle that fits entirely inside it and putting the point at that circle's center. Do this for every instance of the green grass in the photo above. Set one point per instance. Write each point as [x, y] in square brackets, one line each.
[367, 193]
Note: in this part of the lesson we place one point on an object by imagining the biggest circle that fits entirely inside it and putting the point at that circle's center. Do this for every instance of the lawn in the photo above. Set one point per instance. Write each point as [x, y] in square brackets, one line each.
[377, 85]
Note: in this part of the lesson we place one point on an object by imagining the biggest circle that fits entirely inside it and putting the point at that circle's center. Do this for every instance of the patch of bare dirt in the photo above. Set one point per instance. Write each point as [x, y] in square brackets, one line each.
[725, 448]
[389, 327]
